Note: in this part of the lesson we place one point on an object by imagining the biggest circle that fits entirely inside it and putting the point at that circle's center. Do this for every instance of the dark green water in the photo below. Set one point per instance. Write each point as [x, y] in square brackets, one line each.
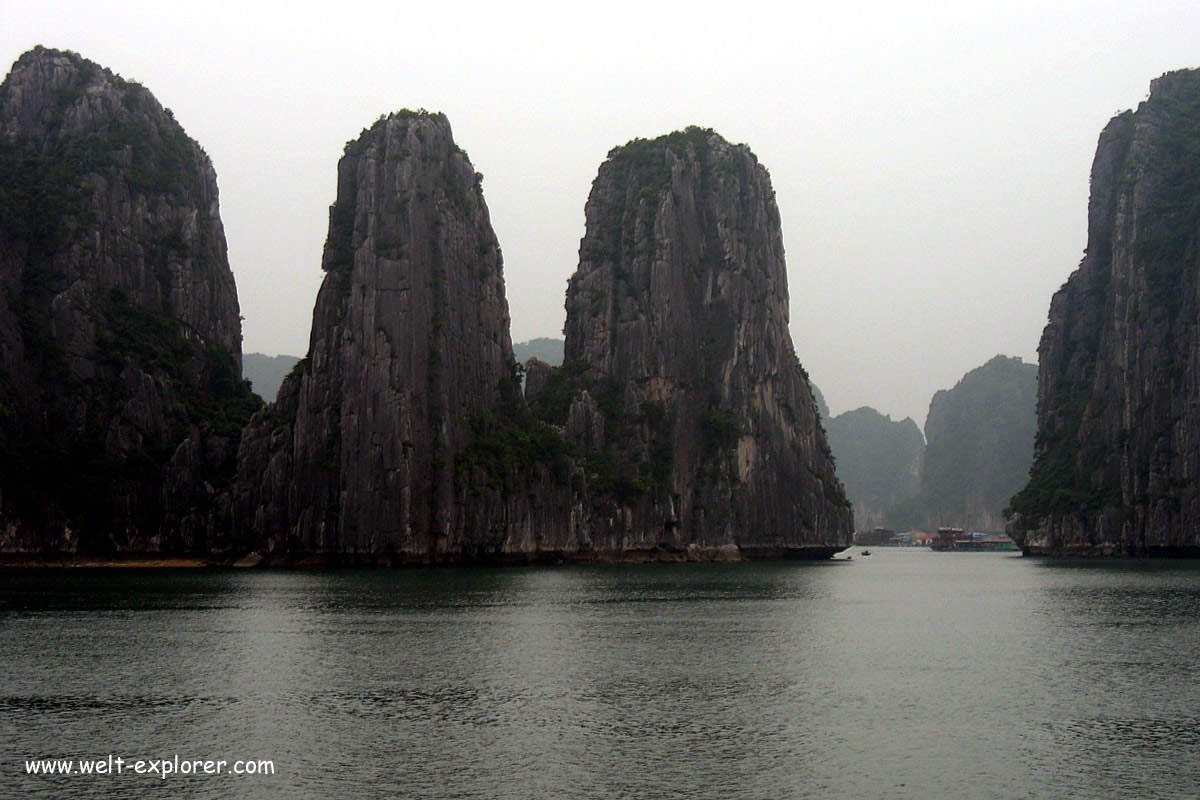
[907, 674]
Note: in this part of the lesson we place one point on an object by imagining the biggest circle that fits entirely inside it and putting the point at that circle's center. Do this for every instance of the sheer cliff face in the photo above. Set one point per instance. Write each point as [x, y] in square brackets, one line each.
[878, 458]
[980, 443]
[697, 419]
[681, 426]
[131, 201]
[1118, 442]
[409, 347]
[120, 338]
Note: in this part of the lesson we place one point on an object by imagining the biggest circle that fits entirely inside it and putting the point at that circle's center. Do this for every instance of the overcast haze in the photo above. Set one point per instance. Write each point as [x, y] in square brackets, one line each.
[930, 162]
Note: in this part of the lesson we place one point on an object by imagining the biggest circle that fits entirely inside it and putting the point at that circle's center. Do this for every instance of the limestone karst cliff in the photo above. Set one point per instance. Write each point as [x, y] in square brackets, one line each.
[681, 426]
[979, 446]
[409, 351]
[1118, 441]
[121, 401]
[878, 459]
[696, 425]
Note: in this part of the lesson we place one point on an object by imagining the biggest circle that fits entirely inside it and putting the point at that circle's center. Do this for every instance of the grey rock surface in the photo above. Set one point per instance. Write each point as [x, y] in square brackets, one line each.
[878, 459]
[680, 428]
[980, 444]
[120, 394]
[698, 425]
[1118, 447]
[409, 348]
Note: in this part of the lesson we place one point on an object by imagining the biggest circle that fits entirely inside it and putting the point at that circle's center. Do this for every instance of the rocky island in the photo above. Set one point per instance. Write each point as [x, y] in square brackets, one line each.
[878, 459]
[1118, 441]
[980, 444]
[680, 427]
[409, 350]
[121, 399]
[696, 424]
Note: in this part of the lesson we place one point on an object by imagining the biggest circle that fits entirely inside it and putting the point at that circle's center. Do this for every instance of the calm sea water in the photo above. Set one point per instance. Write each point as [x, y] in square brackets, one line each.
[906, 674]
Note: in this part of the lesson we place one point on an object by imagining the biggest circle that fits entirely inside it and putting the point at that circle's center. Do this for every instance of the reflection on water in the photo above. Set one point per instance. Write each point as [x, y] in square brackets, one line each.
[907, 674]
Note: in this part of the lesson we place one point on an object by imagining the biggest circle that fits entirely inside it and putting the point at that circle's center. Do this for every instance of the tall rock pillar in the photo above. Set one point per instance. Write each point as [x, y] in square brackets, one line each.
[409, 347]
[121, 398]
[1117, 458]
[695, 419]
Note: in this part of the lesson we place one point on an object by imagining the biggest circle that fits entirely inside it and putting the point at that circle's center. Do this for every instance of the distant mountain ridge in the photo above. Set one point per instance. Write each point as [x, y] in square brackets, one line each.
[542, 348]
[266, 373]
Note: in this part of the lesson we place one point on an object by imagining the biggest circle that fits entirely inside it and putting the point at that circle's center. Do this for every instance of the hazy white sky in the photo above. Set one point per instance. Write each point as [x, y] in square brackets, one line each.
[930, 161]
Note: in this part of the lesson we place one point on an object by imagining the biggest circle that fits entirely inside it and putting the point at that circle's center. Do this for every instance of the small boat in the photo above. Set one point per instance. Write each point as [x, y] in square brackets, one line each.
[866, 552]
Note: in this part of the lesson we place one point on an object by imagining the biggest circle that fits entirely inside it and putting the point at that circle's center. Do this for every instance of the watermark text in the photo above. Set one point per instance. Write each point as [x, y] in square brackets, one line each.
[154, 767]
